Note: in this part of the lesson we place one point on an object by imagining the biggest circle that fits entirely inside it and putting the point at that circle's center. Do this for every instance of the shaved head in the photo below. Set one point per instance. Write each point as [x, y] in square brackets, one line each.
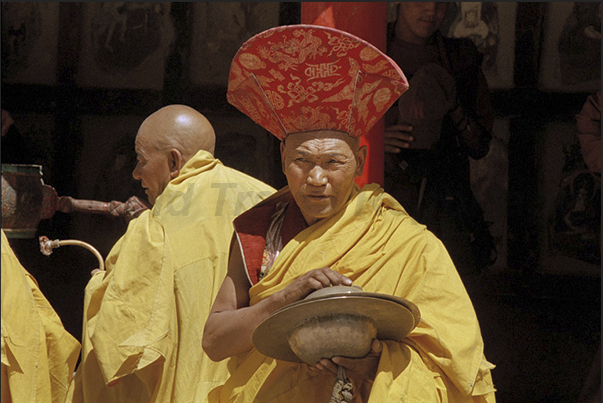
[180, 127]
[166, 140]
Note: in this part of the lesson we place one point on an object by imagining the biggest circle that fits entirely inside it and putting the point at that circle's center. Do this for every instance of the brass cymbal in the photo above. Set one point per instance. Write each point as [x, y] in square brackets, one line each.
[394, 317]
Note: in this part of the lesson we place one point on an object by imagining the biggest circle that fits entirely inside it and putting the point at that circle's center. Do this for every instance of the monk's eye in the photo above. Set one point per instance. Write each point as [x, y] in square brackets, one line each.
[335, 162]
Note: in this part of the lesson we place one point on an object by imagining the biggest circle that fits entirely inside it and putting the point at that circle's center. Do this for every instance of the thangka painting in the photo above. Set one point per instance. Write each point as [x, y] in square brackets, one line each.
[571, 55]
[125, 45]
[219, 29]
[29, 42]
[569, 199]
[491, 27]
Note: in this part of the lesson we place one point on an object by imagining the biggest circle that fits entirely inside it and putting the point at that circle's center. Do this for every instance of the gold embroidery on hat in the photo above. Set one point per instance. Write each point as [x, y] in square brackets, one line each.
[251, 61]
[381, 98]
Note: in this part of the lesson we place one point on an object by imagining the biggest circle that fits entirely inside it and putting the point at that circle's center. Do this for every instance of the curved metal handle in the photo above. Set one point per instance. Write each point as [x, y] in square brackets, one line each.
[46, 247]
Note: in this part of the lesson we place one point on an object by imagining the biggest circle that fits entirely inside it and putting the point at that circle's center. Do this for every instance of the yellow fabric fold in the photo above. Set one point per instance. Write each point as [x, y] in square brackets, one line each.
[144, 317]
[381, 248]
[38, 354]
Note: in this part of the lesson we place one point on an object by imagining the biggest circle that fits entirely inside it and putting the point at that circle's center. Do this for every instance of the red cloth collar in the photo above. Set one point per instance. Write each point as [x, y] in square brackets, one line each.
[252, 227]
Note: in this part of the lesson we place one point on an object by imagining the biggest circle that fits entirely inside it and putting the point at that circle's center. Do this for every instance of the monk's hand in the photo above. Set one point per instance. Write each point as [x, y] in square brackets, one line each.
[357, 369]
[397, 137]
[311, 281]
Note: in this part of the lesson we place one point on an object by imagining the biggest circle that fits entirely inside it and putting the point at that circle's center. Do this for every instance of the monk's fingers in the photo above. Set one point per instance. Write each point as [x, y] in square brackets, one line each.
[304, 285]
[318, 278]
[376, 347]
[326, 365]
[313, 280]
[324, 277]
[336, 278]
[363, 368]
[359, 368]
[318, 282]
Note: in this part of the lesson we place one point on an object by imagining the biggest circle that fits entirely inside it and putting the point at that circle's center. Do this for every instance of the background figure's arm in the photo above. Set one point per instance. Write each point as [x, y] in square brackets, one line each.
[475, 127]
[397, 137]
[231, 322]
[588, 124]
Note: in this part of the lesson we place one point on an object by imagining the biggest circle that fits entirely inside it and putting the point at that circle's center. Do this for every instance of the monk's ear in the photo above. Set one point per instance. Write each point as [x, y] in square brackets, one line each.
[360, 159]
[175, 162]
[283, 156]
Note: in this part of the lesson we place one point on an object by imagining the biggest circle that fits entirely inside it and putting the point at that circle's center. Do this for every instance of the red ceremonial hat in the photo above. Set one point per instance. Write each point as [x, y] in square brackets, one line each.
[300, 78]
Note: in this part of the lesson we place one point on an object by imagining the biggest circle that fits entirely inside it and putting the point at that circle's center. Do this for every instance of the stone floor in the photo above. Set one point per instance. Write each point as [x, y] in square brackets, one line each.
[542, 333]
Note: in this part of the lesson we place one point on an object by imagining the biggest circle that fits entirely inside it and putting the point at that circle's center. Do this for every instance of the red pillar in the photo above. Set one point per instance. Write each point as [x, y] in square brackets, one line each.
[367, 21]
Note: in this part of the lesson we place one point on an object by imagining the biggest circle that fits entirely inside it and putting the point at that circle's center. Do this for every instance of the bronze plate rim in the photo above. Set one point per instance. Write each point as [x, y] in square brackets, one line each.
[395, 317]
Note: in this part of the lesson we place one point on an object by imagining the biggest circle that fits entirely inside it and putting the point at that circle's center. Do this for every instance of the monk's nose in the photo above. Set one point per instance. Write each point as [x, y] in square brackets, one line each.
[317, 176]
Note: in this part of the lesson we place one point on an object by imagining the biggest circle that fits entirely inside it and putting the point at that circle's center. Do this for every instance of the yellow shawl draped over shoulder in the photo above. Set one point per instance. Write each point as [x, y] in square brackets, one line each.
[144, 317]
[38, 354]
[381, 248]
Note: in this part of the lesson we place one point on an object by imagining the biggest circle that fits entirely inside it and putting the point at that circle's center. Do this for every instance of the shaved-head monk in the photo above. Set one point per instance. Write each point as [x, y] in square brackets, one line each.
[166, 140]
[144, 315]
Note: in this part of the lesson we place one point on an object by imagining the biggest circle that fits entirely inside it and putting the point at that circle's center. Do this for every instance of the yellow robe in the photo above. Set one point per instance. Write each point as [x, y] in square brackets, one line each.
[144, 317]
[381, 248]
[38, 354]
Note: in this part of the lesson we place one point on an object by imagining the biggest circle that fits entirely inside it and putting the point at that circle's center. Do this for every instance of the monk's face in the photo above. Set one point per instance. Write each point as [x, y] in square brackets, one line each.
[152, 167]
[417, 21]
[320, 168]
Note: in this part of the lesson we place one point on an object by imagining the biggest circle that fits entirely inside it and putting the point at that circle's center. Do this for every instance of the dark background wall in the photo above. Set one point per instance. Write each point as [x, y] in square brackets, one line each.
[79, 78]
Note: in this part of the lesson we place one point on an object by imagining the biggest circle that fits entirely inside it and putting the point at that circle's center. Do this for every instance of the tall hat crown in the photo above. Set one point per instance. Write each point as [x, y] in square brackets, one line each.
[300, 78]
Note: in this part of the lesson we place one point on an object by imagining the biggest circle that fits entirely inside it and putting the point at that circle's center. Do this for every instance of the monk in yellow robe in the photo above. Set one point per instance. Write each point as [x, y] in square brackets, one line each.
[144, 316]
[323, 230]
[38, 354]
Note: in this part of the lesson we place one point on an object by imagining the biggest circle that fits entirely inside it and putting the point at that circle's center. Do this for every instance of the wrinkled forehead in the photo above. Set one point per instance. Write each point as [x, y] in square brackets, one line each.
[149, 139]
[321, 143]
[141, 141]
[323, 136]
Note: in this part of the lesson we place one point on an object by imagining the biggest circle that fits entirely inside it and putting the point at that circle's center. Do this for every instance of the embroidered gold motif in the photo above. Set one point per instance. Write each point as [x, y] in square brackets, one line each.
[368, 54]
[381, 98]
[376, 68]
[292, 53]
[342, 44]
[236, 76]
[322, 86]
[298, 92]
[309, 117]
[306, 78]
[322, 70]
[275, 99]
[251, 62]
[362, 109]
[277, 75]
